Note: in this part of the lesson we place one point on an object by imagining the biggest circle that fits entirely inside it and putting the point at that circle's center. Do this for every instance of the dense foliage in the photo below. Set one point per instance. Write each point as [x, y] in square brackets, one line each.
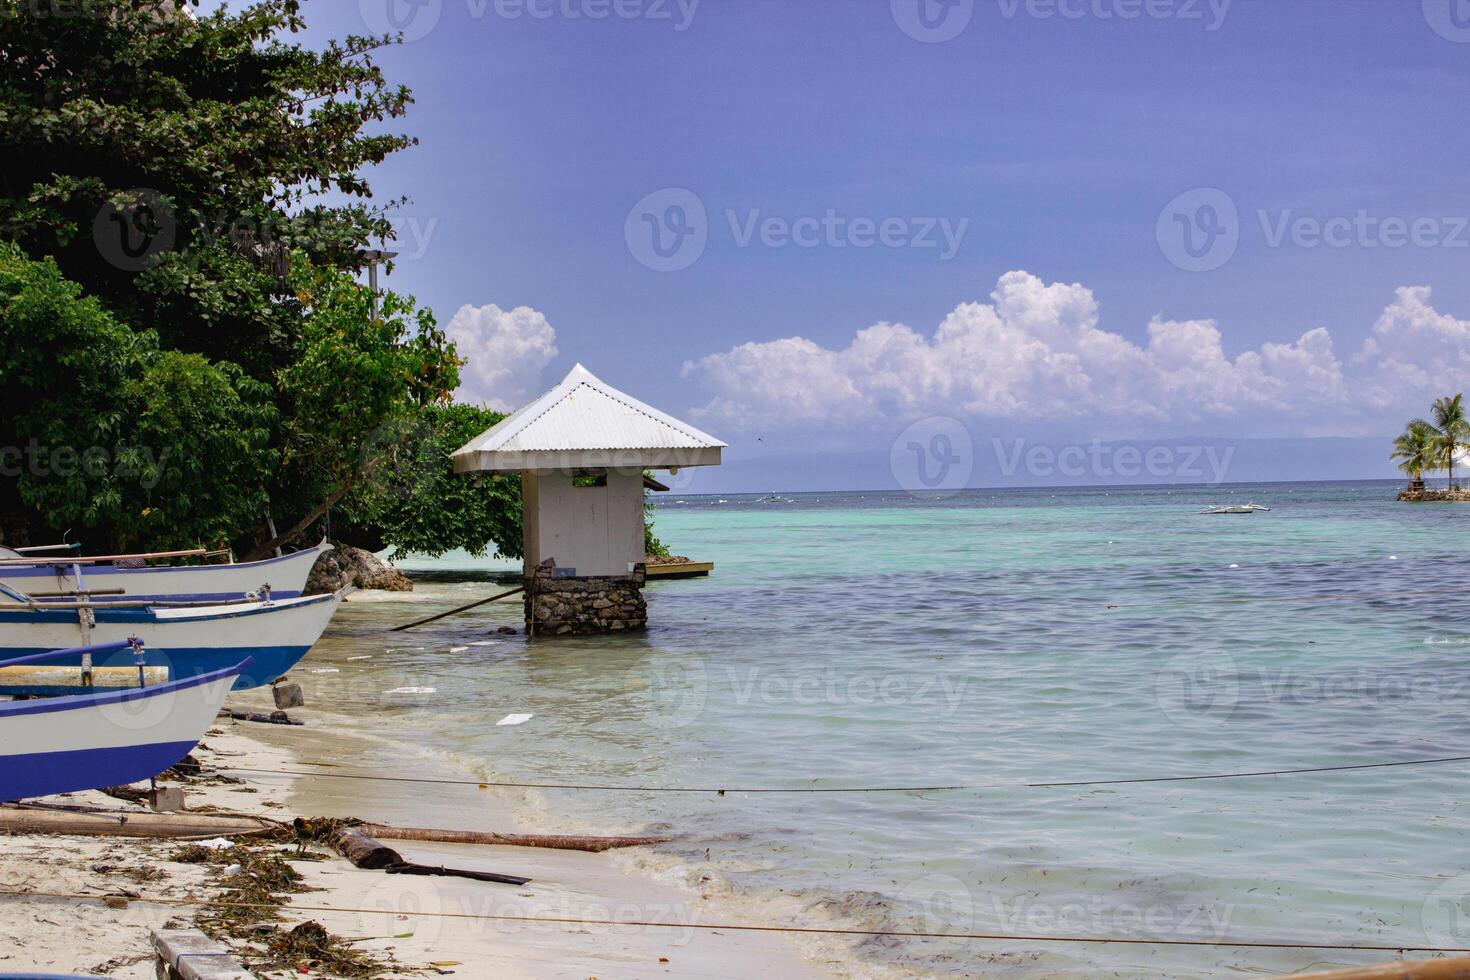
[1435, 443]
[414, 501]
[106, 431]
[182, 211]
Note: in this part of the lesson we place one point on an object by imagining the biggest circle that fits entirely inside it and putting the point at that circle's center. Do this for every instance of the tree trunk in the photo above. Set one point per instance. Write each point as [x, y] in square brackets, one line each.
[264, 551]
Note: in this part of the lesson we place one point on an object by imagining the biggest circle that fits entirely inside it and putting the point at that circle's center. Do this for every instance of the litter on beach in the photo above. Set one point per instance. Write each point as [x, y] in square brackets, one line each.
[514, 720]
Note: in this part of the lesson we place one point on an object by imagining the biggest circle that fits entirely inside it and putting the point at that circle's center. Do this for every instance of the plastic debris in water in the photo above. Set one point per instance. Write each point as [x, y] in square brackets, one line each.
[411, 690]
[326, 670]
[1233, 565]
[514, 720]
[458, 649]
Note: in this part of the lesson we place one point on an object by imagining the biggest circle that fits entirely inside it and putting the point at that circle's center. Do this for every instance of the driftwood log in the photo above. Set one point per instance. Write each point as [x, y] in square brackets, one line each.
[564, 842]
[366, 852]
[1445, 969]
[83, 821]
[101, 823]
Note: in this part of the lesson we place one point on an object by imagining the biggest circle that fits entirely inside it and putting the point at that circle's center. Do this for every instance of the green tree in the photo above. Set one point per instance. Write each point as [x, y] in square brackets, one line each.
[414, 501]
[354, 377]
[1416, 450]
[171, 164]
[111, 438]
[1450, 430]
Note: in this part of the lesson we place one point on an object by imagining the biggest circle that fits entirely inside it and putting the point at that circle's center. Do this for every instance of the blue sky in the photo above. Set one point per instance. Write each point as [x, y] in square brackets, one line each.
[1074, 141]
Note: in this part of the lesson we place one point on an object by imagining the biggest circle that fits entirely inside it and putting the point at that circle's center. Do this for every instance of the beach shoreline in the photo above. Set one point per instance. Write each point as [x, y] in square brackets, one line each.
[465, 926]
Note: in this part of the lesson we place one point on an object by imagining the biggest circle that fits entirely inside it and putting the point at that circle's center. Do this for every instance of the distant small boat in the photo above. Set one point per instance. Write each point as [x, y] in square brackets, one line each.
[283, 577]
[104, 738]
[188, 640]
[1237, 509]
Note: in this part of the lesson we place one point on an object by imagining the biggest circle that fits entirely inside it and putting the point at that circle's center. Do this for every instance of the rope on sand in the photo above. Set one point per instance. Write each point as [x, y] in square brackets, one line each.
[729, 927]
[486, 783]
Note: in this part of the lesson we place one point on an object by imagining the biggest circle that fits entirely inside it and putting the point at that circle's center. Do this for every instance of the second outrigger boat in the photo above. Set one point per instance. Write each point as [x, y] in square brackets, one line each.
[1236, 509]
[130, 576]
[186, 639]
[97, 738]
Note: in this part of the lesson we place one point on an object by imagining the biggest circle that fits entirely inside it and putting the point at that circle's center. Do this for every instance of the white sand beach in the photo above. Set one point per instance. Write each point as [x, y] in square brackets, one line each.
[424, 922]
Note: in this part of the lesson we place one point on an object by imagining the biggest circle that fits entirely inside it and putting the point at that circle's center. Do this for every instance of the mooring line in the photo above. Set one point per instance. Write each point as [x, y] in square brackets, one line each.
[731, 927]
[701, 790]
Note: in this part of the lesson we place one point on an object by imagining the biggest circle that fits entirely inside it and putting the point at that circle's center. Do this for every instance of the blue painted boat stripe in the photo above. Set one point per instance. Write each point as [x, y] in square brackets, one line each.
[44, 773]
[73, 702]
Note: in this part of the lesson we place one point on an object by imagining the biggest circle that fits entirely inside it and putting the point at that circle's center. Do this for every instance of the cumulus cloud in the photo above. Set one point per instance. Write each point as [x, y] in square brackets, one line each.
[1034, 352]
[1415, 349]
[506, 351]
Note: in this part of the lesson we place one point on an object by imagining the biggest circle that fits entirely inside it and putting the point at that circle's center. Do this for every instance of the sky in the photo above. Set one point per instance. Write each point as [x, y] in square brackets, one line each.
[870, 242]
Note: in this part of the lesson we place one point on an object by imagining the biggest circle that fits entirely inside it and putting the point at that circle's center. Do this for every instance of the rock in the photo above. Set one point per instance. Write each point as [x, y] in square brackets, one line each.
[1424, 494]
[346, 565]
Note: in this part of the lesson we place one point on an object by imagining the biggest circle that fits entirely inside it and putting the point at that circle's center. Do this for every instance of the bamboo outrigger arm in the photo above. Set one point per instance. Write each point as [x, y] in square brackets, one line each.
[105, 559]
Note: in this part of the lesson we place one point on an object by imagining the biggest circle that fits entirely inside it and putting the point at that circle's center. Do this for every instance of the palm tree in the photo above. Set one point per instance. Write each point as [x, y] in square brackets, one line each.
[1417, 450]
[1452, 429]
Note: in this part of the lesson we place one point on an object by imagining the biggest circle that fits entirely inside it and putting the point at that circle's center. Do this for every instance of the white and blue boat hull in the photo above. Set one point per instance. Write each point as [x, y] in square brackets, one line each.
[285, 575]
[89, 741]
[188, 642]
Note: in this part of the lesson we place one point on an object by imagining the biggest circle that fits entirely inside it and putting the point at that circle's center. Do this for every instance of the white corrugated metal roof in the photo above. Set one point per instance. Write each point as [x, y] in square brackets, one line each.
[582, 414]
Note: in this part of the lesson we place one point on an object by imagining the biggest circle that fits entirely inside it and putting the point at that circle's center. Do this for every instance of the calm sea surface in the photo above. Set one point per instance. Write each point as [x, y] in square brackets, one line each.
[993, 640]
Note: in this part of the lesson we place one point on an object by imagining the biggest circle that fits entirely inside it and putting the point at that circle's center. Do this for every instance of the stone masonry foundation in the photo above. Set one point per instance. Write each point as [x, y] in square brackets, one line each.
[589, 605]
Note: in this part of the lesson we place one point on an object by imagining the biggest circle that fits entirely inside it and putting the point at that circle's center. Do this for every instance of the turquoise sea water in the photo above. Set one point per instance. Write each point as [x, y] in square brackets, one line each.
[996, 639]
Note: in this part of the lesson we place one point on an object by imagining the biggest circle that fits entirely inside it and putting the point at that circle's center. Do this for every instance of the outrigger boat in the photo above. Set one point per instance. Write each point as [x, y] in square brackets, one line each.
[66, 576]
[185, 639]
[105, 738]
[1237, 509]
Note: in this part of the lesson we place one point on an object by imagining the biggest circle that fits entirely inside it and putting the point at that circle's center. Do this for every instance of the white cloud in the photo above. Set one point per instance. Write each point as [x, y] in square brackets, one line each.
[1035, 352]
[1414, 349]
[506, 351]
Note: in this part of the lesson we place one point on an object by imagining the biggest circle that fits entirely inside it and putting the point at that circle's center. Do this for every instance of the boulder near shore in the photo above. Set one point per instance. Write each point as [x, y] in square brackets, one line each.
[346, 565]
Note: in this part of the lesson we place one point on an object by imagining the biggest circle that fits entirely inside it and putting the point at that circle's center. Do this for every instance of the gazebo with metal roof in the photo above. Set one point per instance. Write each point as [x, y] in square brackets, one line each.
[581, 450]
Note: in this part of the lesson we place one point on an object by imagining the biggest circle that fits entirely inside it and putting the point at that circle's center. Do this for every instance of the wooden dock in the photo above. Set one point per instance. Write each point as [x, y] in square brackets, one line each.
[679, 569]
